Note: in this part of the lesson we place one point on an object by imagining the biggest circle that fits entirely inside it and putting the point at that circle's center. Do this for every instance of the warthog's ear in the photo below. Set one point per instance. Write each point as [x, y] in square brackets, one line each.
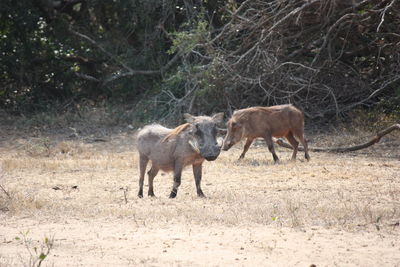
[189, 118]
[217, 118]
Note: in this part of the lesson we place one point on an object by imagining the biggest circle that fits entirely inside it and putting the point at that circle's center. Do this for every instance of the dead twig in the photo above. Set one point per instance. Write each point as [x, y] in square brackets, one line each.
[125, 190]
[2, 188]
[383, 15]
[5, 192]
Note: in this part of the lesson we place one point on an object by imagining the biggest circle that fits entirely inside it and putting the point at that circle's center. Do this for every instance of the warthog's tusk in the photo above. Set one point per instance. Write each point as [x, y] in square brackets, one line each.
[222, 131]
[194, 145]
[220, 142]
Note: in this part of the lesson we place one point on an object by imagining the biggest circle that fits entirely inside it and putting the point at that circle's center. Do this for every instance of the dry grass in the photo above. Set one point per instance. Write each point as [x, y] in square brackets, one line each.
[331, 190]
[64, 182]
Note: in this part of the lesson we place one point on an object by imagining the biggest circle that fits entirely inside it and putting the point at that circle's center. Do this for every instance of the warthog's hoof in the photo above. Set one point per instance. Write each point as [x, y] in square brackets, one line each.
[173, 194]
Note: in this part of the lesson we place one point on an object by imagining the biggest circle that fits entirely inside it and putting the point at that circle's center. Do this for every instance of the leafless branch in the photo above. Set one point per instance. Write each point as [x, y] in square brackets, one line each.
[227, 25]
[93, 42]
[383, 14]
[86, 77]
[290, 14]
[122, 73]
[326, 37]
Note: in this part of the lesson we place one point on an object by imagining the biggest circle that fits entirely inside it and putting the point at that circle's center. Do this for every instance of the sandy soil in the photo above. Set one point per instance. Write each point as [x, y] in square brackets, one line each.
[336, 210]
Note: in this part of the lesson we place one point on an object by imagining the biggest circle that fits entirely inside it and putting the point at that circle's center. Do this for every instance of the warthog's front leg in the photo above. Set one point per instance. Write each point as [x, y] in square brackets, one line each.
[246, 147]
[197, 172]
[177, 179]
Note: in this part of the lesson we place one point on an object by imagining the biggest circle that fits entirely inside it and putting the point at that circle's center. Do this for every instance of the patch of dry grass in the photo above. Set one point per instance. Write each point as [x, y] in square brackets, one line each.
[88, 181]
[14, 202]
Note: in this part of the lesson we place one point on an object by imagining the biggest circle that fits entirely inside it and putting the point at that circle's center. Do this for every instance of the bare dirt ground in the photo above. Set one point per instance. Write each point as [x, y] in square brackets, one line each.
[77, 198]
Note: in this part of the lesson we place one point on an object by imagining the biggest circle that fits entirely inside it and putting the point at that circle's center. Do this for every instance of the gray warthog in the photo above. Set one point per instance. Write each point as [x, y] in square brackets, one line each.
[266, 122]
[173, 149]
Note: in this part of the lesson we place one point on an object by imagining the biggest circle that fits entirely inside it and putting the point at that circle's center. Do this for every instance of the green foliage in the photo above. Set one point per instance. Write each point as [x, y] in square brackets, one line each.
[38, 251]
[184, 41]
[30, 72]
[390, 106]
[42, 55]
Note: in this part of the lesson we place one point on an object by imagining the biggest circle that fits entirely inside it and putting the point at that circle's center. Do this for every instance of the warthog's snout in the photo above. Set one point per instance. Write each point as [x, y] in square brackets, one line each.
[211, 154]
[211, 158]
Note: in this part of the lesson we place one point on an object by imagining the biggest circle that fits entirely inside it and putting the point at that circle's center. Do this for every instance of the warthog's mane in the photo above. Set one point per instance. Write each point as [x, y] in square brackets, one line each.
[176, 131]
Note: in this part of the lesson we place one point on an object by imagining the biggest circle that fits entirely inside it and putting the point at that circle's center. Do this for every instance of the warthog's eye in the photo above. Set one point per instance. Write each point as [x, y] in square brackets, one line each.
[235, 125]
[198, 131]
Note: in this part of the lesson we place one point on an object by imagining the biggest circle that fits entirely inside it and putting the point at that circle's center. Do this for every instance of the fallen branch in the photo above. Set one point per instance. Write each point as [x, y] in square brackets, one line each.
[373, 141]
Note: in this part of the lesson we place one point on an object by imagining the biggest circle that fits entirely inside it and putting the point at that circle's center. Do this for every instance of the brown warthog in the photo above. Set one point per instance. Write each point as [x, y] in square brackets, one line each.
[266, 122]
[173, 149]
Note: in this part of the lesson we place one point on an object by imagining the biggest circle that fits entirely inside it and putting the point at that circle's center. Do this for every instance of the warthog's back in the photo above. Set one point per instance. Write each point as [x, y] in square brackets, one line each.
[279, 109]
[149, 136]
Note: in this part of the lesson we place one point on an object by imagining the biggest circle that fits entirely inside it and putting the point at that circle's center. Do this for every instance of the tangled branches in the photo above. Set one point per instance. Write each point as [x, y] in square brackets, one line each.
[325, 56]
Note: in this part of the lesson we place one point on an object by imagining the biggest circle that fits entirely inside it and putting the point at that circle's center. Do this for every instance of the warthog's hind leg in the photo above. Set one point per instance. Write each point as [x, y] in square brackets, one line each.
[300, 135]
[143, 160]
[152, 173]
[294, 144]
[270, 145]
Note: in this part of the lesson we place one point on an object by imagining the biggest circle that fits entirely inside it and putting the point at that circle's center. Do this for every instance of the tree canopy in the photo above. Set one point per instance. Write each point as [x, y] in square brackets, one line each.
[168, 57]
